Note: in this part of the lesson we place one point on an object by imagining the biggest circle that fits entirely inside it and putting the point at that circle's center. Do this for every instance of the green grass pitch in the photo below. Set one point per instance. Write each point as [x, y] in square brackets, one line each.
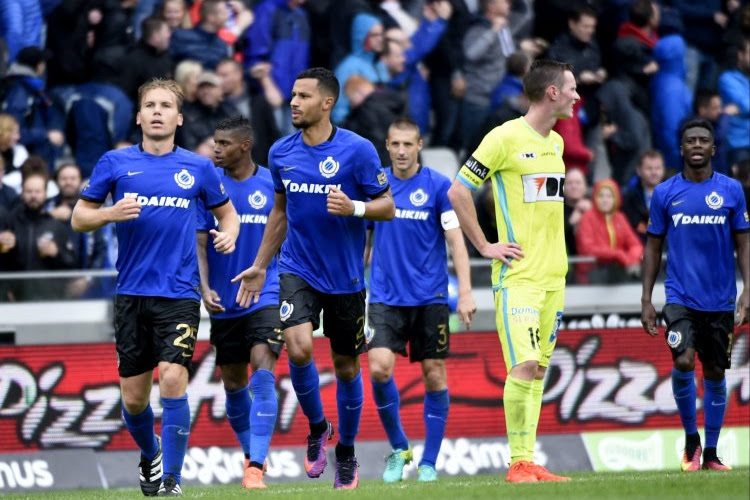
[704, 485]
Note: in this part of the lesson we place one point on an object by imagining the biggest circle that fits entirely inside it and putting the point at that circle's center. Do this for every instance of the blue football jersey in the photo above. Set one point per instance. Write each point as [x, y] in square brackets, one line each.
[156, 251]
[698, 221]
[325, 250]
[409, 259]
[253, 200]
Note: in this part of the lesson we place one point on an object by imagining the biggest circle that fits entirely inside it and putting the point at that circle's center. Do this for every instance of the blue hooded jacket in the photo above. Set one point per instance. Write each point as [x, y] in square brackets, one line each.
[671, 100]
[359, 62]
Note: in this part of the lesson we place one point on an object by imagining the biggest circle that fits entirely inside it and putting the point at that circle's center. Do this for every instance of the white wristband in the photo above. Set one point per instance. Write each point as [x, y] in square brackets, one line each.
[359, 208]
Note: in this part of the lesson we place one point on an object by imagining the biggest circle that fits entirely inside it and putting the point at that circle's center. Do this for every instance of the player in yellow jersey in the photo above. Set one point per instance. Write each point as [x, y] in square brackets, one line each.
[523, 159]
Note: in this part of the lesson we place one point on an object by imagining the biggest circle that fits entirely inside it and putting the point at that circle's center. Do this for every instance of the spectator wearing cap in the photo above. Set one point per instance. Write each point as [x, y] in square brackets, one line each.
[26, 99]
[203, 43]
[20, 25]
[200, 118]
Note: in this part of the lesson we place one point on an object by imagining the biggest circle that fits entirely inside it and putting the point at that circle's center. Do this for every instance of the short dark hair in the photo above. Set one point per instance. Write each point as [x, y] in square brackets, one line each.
[542, 74]
[34, 166]
[650, 153]
[578, 12]
[703, 99]
[327, 81]
[696, 123]
[63, 166]
[151, 25]
[238, 124]
[517, 64]
[208, 7]
[640, 12]
[405, 123]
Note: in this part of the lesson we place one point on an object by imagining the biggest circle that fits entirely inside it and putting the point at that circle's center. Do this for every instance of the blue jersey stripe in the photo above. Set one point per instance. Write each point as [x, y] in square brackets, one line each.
[507, 329]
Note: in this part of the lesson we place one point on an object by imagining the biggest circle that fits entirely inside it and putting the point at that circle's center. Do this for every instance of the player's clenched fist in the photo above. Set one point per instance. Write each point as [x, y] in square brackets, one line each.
[223, 242]
[339, 203]
[125, 209]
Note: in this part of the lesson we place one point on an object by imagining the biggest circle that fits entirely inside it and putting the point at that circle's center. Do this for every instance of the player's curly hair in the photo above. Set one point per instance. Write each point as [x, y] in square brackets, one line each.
[238, 124]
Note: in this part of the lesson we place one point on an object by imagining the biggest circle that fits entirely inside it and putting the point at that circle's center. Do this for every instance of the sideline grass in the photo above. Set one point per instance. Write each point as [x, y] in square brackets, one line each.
[731, 485]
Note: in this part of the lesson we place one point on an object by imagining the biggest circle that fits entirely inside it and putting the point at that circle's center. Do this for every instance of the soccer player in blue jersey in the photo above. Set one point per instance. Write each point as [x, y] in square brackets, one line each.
[240, 334]
[155, 186]
[409, 296]
[327, 179]
[703, 217]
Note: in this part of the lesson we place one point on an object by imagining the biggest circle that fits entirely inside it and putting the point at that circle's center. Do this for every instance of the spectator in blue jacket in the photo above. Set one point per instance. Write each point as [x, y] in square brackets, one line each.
[277, 50]
[26, 99]
[671, 100]
[416, 48]
[511, 86]
[202, 43]
[367, 43]
[21, 25]
[734, 86]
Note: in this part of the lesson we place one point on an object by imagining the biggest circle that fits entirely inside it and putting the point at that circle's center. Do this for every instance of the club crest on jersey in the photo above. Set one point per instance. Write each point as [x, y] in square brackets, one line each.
[714, 200]
[328, 167]
[369, 334]
[674, 338]
[257, 200]
[418, 197]
[184, 179]
[285, 311]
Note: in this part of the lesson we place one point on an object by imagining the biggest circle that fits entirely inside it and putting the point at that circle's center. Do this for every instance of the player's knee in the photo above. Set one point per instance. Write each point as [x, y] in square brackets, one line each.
[711, 372]
[380, 371]
[684, 363]
[299, 354]
[346, 367]
[172, 380]
[134, 405]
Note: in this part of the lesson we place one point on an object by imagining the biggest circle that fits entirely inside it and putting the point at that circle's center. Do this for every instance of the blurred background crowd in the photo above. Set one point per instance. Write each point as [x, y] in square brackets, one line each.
[70, 70]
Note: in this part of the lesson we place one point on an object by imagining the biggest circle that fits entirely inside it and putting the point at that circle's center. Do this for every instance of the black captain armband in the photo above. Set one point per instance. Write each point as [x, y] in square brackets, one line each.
[476, 167]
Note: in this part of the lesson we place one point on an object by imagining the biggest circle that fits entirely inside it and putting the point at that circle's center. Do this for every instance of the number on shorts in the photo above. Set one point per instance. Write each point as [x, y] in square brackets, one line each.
[534, 335]
[190, 332]
[443, 332]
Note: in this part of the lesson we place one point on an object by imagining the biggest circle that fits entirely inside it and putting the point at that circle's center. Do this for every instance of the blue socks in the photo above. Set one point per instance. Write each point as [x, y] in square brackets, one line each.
[262, 414]
[436, 405]
[349, 398]
[175, 430]
[307, 387]
[238, 414]
[141, 427]
[683, 388]
[714, 406]
[388, 402]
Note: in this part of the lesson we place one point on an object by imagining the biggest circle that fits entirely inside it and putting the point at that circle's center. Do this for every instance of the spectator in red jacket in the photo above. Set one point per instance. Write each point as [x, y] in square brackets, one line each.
[605, 233]
[575, 154]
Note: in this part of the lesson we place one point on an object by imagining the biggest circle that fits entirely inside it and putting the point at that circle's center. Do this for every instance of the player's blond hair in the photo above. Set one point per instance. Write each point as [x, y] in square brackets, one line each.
[162, 83]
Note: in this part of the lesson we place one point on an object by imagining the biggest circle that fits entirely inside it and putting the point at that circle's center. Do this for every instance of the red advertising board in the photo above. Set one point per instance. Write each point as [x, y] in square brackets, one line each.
[66, 396]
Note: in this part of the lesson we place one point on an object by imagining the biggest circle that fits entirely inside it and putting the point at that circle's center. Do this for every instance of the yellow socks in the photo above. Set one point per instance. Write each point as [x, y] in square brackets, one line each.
[519, 412]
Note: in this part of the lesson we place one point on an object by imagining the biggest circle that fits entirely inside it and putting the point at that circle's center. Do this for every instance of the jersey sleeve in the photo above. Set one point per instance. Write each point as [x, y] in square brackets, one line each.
[486, 160]
[212, 191]
[657, 215]
[205, 219]
[370, 173]
[101, 182]
[740, 222]
[446, 214]
[278, 185]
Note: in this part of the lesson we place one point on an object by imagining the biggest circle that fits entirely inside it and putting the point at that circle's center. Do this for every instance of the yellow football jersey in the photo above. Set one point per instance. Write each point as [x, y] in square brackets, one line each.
[528, 175]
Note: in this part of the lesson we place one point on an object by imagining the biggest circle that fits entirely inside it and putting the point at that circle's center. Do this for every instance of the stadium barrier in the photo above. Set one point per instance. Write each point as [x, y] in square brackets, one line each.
[608, 406]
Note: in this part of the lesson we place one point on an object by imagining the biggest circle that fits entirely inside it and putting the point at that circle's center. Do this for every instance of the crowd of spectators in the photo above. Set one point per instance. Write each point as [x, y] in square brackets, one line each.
[70, 70]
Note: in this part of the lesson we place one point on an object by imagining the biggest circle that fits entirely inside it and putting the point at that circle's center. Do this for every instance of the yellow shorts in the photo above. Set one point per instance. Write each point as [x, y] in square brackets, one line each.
[527, 323]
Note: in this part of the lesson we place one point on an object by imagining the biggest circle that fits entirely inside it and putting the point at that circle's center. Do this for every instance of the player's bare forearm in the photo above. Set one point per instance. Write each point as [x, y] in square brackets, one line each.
[381, 208]
[742, 242]
[368, 247]
[650, 267]
[229, 222]
[460, 257]
[274, 234]
[89, 216]
[201, 240]
[466, 304]
[463, 204]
